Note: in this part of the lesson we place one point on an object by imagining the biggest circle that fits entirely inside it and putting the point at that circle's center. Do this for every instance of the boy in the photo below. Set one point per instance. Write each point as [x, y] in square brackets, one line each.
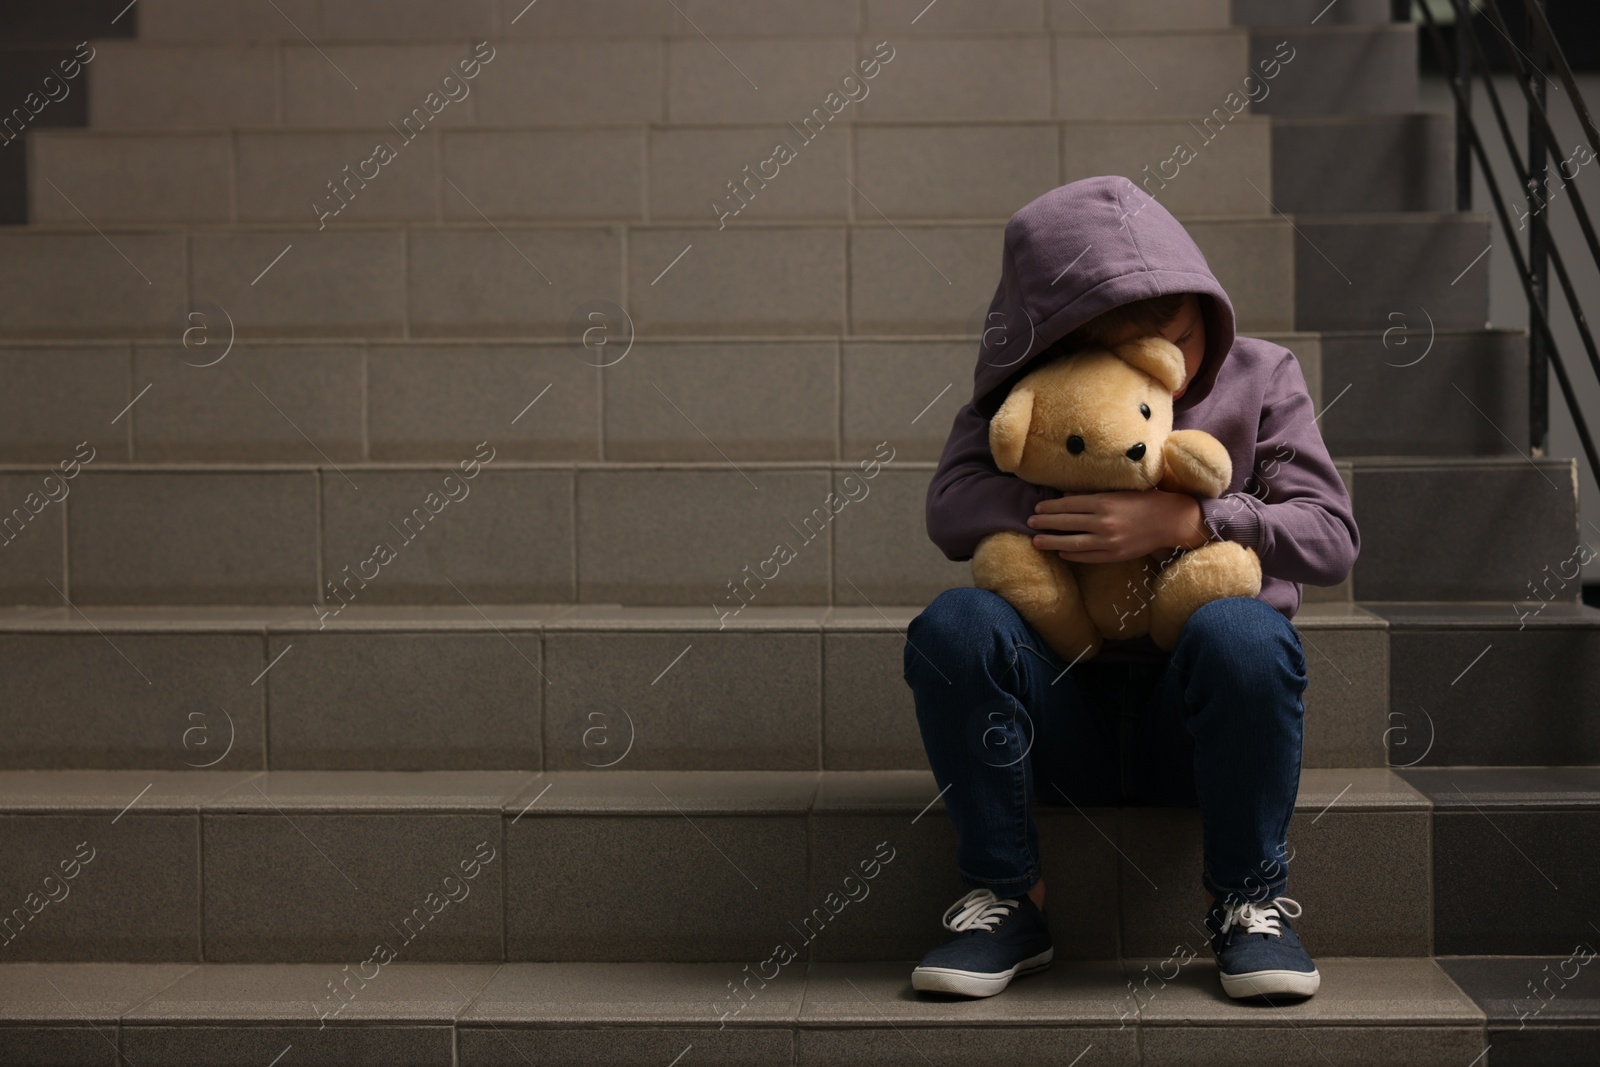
[1219, 721]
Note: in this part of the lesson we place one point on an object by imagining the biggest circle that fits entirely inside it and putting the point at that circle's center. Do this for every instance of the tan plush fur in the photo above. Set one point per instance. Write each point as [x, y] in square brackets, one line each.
[1096, 395]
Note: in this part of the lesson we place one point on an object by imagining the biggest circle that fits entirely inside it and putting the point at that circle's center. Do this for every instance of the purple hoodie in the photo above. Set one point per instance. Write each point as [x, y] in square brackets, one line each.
[1079, 250]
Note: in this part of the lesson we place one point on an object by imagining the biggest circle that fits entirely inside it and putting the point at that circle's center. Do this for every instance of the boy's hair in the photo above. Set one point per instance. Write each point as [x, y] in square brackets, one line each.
[1149, 315]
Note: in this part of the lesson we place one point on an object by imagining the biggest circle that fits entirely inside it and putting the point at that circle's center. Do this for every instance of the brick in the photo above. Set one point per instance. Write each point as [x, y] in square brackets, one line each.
[791, 76]
[391, 701]
[137, 281]
[365, 20]
[390, 83]
[30, 534]
[544, 174]
[970, 78]
[904, 392]
[734, 701]
[283, 177]
[728, 282]
[678, 563]
[704, 402]
[260, 403]
[60, 396]
[436, 402]
[142, 537]
[132, 178]
[145, 86]
[338, 282]
[922, 279]
[881, 551]
[509, 280]
[983, 171]
[536, 83]
[1153, 75]
[135, 700]
[1226, 159]
[690, 168]
[507, 538]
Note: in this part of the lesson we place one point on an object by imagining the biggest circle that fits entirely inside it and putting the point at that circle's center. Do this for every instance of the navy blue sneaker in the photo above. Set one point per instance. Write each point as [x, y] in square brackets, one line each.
[993, 940]
[1258, 953]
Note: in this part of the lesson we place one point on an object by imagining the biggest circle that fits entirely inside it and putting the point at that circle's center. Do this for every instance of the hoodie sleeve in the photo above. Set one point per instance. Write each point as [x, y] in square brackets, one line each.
[969, 497]
[1298, 518]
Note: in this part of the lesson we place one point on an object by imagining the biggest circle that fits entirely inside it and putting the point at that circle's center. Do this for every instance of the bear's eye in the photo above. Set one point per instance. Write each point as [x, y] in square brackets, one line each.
[1074, 444]
[1144, 409]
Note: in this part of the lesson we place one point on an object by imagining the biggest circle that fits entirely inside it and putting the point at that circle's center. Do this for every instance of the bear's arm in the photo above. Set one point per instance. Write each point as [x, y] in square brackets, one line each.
[969, 497]
[1196, 463]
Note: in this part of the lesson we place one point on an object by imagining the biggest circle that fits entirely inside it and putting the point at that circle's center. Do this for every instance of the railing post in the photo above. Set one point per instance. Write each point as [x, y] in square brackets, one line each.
[1463, 80]
[1538, 244]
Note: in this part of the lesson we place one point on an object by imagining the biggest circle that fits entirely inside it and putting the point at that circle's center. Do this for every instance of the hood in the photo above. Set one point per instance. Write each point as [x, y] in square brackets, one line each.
[1078, 251]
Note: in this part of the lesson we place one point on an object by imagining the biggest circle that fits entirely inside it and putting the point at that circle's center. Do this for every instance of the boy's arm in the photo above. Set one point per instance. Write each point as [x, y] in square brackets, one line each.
[969, 497]
[1303, 530]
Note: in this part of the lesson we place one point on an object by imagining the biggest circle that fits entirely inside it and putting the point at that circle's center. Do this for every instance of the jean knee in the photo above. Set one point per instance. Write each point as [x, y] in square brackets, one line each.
[1247, 637]
[958, 626]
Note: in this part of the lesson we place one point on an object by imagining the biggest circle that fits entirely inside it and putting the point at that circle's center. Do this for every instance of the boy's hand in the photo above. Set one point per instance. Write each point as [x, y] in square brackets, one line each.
[1116, 526]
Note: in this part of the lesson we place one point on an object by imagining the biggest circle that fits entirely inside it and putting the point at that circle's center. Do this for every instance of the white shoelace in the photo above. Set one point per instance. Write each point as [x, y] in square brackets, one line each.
[1259, 918]
[979, 909]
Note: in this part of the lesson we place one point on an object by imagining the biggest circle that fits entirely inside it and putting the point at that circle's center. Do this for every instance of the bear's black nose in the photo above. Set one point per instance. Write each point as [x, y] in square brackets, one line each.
[1136, 452]
[1074, 444]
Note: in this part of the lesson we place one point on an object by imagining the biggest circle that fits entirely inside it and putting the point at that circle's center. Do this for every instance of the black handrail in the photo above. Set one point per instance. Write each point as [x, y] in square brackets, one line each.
[1459, 65]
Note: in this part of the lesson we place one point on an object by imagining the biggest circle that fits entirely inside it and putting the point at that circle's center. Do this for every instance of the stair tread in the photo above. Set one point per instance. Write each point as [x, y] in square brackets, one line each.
[1506, 788]
[83, 618]
[1409, 991]
[711, 225]
[621, 792]
[1312, 615]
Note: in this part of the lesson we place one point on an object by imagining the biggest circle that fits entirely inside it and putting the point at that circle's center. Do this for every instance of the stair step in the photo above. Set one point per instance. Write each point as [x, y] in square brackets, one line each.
[1363, 163]
[1300, 13]
[860, 278]
[59, 23]
[1495, 684]
[1350, 69]
[526, 173]
[306, 866]
[1541, 1009]
[569, 687]
[1369, 1011]
[237, 21]
[1533, 833]
[973, 76]
[757, 398]
[551, 687]
[548, 533]
[1353, 271]
[1393, 375]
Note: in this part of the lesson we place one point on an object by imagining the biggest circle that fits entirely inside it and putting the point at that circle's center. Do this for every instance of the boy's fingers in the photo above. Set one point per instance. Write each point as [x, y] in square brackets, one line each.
[1082, 503]
[1089, 557]
[1079, 542]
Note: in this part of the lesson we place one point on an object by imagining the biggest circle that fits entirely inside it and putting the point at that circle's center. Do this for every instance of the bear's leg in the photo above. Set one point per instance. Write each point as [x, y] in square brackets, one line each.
[1042, 589]
[1117, 596]
[1211, 572]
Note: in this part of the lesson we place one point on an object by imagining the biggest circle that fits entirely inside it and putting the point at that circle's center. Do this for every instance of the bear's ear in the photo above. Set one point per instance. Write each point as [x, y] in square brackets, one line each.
[1008, 430]
[1157, 357]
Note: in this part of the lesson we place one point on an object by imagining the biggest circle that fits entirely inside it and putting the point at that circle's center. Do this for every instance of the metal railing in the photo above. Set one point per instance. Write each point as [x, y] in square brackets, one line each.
[1464, 61]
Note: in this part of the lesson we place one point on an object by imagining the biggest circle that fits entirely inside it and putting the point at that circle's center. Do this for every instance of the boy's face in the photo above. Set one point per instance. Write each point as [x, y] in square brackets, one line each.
[1187, 330]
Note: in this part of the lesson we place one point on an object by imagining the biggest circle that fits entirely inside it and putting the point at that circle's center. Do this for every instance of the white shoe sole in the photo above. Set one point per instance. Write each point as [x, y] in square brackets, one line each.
[974, 983]
[1272, 983]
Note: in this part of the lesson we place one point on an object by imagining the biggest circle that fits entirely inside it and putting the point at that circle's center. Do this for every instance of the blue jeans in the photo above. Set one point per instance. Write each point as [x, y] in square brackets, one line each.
[1218, 723]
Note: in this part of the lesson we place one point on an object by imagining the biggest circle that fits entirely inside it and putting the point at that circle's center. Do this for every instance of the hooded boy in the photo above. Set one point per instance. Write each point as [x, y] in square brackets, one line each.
[1218, 722]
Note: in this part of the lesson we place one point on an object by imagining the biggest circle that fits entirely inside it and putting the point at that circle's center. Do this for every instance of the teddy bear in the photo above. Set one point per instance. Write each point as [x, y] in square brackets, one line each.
[1096, 420]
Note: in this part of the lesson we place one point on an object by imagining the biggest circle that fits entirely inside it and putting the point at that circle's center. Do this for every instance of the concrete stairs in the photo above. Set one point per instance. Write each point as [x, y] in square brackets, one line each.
[638, 782]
